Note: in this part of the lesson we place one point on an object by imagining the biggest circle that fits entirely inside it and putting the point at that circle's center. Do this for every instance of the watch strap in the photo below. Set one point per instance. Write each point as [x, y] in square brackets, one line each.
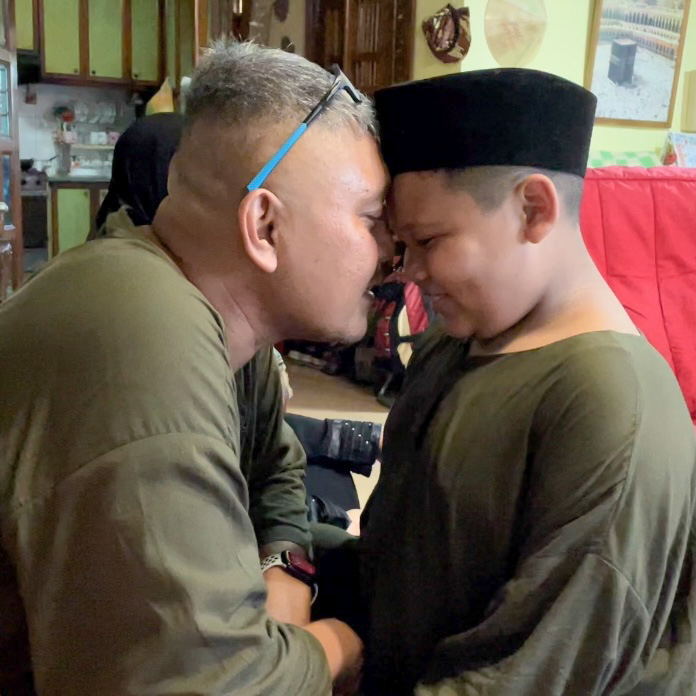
[275, 559]
[281, 560]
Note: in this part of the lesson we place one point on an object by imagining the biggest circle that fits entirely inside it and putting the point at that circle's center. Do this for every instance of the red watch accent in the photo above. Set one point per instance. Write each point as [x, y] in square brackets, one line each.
[299, 567]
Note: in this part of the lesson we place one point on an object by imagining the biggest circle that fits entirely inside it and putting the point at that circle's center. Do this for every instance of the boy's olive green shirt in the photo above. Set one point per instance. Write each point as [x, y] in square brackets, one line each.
[130, 519]
[532, 532]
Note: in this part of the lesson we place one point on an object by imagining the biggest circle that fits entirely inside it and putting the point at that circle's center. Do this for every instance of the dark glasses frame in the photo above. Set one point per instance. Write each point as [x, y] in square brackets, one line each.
[341, 82]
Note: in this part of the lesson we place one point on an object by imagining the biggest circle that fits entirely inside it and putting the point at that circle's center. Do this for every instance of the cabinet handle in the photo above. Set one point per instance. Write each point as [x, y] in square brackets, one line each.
[75, 70]
[94, 72]
[136, 75]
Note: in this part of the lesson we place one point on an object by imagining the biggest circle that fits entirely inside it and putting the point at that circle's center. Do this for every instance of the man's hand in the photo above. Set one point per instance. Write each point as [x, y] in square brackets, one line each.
[349, 684]
[344, 652]
[288, 598]
[289, 601]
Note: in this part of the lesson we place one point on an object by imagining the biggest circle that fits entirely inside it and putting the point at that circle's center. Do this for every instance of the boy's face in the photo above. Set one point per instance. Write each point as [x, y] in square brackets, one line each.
[475, 265]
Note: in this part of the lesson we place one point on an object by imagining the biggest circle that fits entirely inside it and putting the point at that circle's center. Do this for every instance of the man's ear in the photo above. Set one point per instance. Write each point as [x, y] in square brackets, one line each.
[540, 205]
[258, 216]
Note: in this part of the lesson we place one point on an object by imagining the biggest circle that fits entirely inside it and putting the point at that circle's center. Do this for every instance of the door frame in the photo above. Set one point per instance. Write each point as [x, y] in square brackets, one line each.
[13, 232]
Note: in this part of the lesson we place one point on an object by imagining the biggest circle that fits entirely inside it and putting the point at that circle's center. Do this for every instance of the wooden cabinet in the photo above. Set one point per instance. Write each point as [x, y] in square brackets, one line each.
[61, 37]
[87, 41]
[145, 40]
[70, 217]
[105, 30]
[73, 209]
[25, 23]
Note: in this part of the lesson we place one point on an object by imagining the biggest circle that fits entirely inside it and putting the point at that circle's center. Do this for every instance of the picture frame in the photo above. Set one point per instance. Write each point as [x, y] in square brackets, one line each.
[634, 52]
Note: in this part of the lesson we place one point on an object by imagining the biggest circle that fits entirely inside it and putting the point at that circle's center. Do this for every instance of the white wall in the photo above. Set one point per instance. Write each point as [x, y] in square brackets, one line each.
[564, 52]
[37, 123]
[293, 27]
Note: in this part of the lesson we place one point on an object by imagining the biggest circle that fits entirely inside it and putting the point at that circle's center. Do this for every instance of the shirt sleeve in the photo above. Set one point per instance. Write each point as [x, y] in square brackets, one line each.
[561, 626]
[278, 498]
[140, 575]
[569, 620]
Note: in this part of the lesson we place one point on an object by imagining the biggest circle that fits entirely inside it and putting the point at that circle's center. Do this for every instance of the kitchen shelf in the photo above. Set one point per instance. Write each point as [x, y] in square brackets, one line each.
[81, 146]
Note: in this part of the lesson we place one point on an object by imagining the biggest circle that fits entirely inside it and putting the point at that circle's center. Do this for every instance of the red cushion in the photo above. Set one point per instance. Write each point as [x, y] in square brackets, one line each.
[640, 227]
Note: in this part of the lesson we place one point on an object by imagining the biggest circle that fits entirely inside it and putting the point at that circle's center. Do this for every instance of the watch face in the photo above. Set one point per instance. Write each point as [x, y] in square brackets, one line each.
[301, 564]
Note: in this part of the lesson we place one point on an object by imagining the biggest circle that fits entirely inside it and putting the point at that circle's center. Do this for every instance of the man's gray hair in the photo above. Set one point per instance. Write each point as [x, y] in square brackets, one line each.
[243, 83]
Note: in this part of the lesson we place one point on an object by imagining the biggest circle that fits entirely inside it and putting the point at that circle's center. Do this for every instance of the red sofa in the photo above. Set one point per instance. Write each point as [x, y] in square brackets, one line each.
[640, 227]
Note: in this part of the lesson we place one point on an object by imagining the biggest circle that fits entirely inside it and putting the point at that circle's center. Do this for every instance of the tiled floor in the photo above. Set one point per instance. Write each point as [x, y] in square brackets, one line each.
[321, 396]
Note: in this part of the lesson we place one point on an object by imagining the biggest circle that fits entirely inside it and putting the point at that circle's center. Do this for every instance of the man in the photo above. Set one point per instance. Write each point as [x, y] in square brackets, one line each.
[270, 459]
[532, 532]
[130, 530]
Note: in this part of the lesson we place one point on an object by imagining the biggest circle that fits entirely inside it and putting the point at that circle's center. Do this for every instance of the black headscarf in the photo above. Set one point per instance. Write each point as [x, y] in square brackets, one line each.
[141, 164]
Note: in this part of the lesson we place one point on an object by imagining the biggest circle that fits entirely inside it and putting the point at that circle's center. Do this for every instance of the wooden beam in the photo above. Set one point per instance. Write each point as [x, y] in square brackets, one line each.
[202, 11]
[127, 44]
[84, 37]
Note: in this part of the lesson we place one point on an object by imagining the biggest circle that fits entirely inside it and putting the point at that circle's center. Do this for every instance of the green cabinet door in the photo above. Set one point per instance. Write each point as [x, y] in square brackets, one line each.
[73, 217]
[24, 25]
[61, 36]
[105, 38]
[145, 38]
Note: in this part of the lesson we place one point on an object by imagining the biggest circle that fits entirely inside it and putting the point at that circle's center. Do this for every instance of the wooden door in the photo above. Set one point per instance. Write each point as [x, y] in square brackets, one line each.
[220, 18]
[326, 23]
[370, 45]
[61, 37]
[145, 39]
[10, 200]
[370, 39]
[105, 21]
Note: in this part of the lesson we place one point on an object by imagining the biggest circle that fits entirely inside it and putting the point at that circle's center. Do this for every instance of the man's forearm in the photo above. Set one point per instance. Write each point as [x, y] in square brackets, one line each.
[342, 646]
[288, 599]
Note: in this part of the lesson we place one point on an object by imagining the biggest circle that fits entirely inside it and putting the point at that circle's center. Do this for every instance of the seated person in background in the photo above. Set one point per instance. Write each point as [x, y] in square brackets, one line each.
[140, 169]
[532, 532]
[129, 561]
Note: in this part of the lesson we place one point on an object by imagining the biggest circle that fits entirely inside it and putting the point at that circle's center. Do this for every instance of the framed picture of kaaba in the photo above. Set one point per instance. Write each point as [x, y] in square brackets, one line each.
[634, 59]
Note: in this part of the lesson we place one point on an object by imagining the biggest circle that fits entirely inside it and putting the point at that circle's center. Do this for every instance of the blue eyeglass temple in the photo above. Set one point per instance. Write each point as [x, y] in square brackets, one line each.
[341, 82]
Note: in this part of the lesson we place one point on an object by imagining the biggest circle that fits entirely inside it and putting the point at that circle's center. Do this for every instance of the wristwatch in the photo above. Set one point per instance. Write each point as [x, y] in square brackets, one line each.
[293, 565]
